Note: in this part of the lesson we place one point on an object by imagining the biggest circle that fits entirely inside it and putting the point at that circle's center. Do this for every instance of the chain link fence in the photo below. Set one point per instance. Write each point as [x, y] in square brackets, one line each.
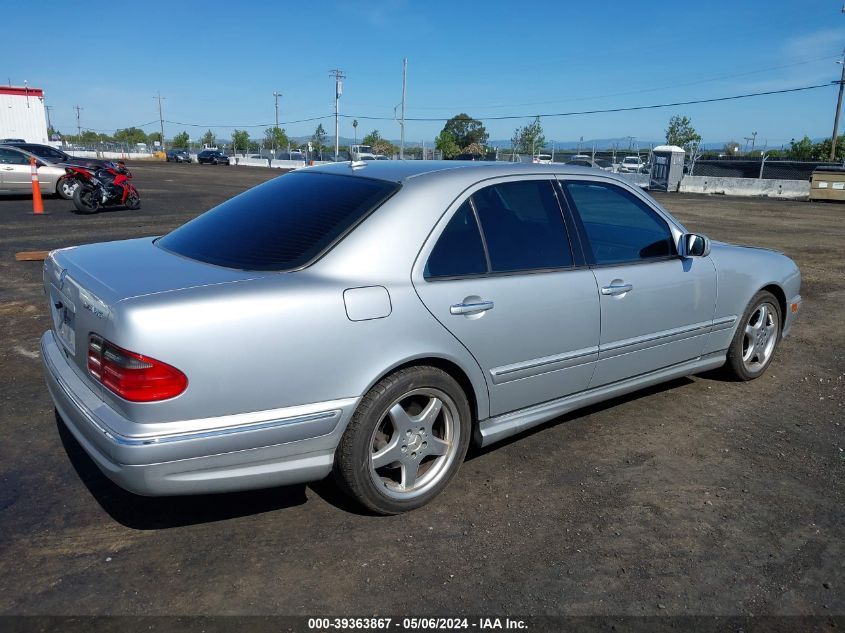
[769, 169]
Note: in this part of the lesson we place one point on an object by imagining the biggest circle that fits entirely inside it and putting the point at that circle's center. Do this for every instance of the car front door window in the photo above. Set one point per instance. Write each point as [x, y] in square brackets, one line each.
[619, 227]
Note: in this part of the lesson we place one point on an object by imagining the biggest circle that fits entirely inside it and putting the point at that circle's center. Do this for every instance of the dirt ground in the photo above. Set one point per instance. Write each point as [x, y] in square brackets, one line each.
[696, 497]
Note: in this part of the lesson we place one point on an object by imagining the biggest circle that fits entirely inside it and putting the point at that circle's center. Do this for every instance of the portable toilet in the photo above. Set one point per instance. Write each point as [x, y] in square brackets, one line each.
[667, 168]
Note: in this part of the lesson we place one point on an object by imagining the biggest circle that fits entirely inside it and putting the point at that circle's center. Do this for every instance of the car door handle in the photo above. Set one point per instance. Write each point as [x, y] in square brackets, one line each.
[471, 308]
[8, 169]
[616, 289]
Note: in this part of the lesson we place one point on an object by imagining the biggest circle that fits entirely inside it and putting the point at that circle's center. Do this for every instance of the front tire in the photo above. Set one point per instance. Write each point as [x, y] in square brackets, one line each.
[85, 200]
[133, 202]
[405, 442]
[756, 339]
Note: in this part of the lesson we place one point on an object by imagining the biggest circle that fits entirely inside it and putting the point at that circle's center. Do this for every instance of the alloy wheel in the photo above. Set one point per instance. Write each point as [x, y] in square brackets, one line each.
[414, 443]
[760, 337]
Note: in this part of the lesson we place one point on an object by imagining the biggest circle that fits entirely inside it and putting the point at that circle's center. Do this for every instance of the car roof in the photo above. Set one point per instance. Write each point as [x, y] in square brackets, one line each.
[403, 170]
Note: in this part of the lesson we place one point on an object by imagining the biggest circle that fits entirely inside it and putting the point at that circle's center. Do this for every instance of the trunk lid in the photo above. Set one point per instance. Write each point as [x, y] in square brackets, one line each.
[84, 283]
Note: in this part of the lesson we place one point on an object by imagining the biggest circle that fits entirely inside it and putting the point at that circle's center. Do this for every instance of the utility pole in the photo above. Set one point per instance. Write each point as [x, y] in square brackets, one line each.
[78, 126]
[338, 91]
[49, 125]
[841, 83]
[160, 118]
[402, 120]
[276, 96]
[751, 138]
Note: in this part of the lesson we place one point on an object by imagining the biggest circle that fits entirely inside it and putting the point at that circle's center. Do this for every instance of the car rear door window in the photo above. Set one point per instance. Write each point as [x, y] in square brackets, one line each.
[620, 228]
[283, 224]
[459, 250]
[523, 226]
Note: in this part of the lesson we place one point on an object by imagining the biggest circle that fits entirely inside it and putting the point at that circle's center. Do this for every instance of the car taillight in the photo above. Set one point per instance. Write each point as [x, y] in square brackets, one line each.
[133, 376]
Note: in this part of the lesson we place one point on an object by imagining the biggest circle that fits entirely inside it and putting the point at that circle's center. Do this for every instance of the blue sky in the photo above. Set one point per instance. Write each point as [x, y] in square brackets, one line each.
[217, 64]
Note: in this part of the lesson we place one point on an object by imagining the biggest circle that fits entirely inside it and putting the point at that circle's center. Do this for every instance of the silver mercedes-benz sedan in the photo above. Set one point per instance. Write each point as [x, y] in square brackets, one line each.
[371, 319]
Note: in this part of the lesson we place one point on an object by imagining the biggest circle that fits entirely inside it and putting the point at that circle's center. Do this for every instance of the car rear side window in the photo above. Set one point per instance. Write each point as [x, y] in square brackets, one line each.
[523, 226]
[459, 250]
[11, 157]
[620, 227]
[280, 225]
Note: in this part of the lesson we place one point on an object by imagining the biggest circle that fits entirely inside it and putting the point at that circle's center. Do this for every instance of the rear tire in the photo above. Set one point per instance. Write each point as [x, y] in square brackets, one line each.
[85, 200]
[405, 442]
[756, 338]
[66, 186]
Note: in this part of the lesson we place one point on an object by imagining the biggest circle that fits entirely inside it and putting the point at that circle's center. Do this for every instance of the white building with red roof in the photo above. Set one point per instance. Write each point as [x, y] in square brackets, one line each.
[22, 114]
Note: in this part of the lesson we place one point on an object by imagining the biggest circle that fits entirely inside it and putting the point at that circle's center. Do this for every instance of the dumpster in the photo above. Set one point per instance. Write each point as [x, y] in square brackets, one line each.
[827, 183]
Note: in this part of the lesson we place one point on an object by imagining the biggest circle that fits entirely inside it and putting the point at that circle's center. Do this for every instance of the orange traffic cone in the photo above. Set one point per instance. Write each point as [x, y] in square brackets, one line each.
[37, 203]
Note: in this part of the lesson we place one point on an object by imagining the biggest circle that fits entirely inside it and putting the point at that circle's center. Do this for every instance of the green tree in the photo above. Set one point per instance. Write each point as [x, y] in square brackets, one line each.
[240, 140]
[383, 146]
[153, 137]
[181, 140]
[803, 149]
[465, 130]
[208, 138]
[681, 133]
[821, 150]
[275, 137]
[371, 139]
[731, 148]
[529, 139]
[130, 136]
[446, 144]
[318, 139]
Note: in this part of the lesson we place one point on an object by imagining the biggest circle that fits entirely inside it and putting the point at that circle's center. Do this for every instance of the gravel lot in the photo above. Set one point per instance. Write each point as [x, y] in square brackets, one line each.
[696, 497]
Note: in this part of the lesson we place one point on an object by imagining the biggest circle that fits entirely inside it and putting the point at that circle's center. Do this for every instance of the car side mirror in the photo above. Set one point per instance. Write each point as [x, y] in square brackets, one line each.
[694, 245]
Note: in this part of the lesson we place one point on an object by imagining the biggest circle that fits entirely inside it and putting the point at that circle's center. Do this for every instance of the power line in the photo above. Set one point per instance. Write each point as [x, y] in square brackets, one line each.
[492, 118]
[606, 110]
[643, 90]
[210, 125]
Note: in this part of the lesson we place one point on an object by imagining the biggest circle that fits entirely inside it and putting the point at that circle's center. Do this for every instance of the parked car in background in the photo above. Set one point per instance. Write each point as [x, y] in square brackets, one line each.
[631, 164]
[178, 156]
[598, 163]
[16, 174]
[212, 157]
[54, 155]
[541, 159]
[381, 157]
[423, 304]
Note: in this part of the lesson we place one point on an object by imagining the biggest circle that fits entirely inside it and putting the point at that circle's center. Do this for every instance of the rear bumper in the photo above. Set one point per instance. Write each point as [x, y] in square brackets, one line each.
[233, 452]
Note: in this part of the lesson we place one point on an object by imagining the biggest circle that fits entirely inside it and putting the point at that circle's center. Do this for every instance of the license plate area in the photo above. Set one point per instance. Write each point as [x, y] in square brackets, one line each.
[64, 319]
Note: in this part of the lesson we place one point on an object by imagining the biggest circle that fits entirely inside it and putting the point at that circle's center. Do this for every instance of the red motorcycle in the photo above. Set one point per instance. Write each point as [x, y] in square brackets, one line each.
[109, 186]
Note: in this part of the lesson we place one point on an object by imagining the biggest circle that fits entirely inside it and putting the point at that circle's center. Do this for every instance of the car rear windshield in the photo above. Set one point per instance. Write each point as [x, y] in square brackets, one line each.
[281, 225]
